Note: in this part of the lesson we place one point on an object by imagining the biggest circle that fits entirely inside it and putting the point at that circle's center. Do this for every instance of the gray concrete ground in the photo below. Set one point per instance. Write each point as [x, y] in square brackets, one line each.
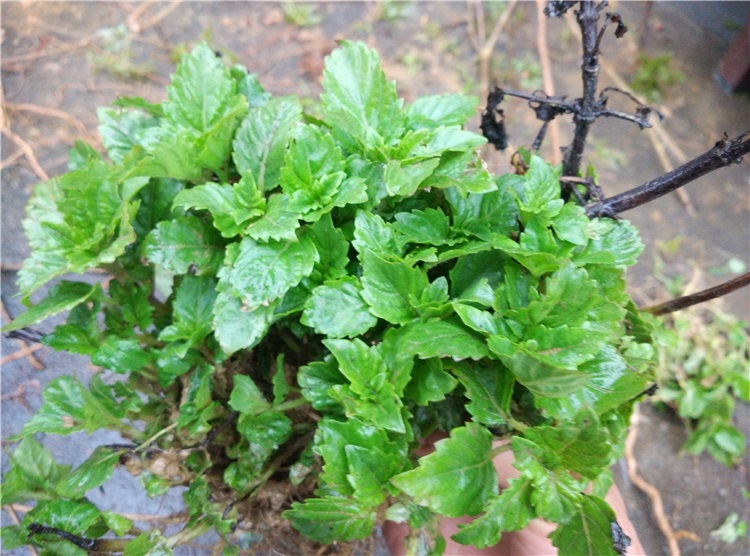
[74, 56]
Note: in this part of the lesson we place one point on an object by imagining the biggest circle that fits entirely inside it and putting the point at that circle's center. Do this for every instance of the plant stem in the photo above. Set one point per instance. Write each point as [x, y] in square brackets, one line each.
[587, 19]
[291, 404]
[162, 432]
[500, 449]
[688, 300]
[724, 153]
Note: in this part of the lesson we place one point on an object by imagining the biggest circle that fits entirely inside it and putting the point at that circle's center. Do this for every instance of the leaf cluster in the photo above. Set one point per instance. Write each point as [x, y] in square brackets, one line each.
[310, 298]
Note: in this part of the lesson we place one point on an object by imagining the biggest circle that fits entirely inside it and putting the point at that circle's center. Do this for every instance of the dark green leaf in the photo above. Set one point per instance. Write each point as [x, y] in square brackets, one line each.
[589, 531]
[489, 388]
[316, 380]
[429, 382]
[458, 478]
[431, 226]
[484, 215]
[246, 397]
[277, 223]
[445, 338]
[73, 516]
[120, 130]
[121, 355]
[148, 544]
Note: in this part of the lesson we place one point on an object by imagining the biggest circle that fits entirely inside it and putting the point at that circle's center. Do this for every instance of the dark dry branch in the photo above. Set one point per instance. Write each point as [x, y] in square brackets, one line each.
[724, 153]
[706, 295]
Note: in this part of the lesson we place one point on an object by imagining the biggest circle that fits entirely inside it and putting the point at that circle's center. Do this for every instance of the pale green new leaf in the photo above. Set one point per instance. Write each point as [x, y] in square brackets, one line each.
[33, 473]
[192, 309]
[237, 328]
[489, 387]
[439, 110]
[277, 223]
[261, 141]
[201, 93]
[458, 478]
[120, 130]
[358, 99]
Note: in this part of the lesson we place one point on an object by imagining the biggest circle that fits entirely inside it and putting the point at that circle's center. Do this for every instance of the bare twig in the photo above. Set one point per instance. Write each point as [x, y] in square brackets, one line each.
[724, 153]
[706, 295]
[484, 45]
[657, 504]
[13, 60]
[27, 151]
[23, 352]
[44, 111]
[547, 80]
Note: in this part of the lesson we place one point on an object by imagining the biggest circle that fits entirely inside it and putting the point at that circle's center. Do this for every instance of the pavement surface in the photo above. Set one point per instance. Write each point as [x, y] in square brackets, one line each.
[61, 60]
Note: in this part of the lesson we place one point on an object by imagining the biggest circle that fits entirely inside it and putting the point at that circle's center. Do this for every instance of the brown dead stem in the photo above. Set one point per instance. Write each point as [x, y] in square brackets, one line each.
[657, 127]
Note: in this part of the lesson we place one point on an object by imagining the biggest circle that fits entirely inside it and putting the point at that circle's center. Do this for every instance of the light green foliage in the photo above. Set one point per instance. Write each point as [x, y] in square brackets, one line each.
[703, 372]
[316, 296]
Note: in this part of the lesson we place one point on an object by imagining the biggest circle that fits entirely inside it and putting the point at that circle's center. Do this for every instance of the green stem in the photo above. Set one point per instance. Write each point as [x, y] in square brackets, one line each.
[291, 404]
[518, 425]
[187, 535]
[500, 449]
[146, 443]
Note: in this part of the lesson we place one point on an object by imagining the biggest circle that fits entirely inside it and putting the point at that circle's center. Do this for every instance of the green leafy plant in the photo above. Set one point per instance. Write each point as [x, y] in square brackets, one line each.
[296, 303]
[703, 373]
[654, 75]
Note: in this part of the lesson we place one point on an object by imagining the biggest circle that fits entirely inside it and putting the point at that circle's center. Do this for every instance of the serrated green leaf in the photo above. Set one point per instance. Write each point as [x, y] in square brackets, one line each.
[571, 224]
[277, 223]
[588, 532]
[33, 473]
[121, 355]
[246, 397]
[201, 93]
[490, 388]
[332, 247]
[328, 519]
[437, 110]
[619, 247]
[429, 382]
[337, 309]
[260, 273]
[386, 287]
[313, 169]
[69, 407]
[511, 511]
[192, 309]
[404, 178]
[444, 338]
[361, 364]
[464, 170]
[484, 215]
[120, 130]
[141, 104]
[62, 297]
[350, 472]
[447, 138]
[261, 141]
[539, 371]
[280, 384]
[556, 495]
[72, 516]
[118, 524]
[93, 472]
[372, 233]
[13, 536]
[458, 478]
[430, 226]
[75, 222]
[249, 86]
[232, 207]
[316, 381]
[183, 243]
[358, 99]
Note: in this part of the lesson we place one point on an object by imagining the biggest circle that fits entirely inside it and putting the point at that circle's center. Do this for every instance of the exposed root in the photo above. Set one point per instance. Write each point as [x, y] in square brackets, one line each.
[657, 504]
[27, 151]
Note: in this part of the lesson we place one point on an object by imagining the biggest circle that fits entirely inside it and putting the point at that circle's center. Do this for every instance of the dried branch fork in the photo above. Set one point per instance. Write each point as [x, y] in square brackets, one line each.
[724, 153]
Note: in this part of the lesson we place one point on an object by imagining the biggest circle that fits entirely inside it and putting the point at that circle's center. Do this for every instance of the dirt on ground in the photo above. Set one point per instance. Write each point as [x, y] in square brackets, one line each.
[61, 60]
